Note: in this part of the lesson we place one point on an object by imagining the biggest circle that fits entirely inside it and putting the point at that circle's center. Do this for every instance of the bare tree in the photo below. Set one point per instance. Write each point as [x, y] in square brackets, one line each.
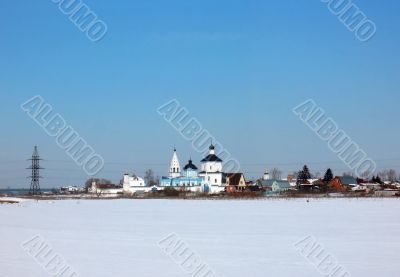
[276, 174]
[383, 174]
[317, 175]
[366, 174]
[392, 175]
[149, 178]
[348, 174]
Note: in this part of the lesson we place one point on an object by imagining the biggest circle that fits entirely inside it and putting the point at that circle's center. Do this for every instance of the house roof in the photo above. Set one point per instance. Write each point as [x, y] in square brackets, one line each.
[318, 183]
[281, 183]
[234, 178]
[108, 186]
[347, 180]
[211, 158]
[190, 165]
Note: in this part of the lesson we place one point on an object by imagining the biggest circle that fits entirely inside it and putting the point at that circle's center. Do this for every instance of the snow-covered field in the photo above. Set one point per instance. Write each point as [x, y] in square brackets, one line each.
[234, 238]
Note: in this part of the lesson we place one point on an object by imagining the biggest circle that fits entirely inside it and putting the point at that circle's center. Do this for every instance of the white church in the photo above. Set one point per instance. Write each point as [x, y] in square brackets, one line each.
[210, 179]
[212, 172]
[134, 184]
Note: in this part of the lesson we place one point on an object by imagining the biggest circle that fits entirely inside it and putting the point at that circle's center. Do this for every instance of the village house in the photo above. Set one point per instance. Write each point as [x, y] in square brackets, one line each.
[70, 190]
[366, 187]
[343, 183]
[272, 186]
[292, 180]
[235, 182]
[361, 188]
[104, 189]
[313, 185]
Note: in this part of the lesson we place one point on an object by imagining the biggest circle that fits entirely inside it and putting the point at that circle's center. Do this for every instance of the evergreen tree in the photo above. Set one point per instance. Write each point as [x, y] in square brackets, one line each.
[328, 175]
[306, 172]
[378, 180]
[303, 175]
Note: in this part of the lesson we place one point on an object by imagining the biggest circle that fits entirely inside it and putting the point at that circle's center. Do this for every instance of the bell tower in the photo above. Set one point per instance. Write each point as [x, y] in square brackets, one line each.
[266, 175]
[175, 167]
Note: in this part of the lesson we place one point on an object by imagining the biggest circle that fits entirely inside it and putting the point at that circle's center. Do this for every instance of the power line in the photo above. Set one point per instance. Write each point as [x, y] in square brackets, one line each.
[249, 164]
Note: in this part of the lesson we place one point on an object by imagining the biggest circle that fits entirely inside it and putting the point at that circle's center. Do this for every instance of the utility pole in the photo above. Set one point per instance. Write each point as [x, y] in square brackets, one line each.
[35, 177]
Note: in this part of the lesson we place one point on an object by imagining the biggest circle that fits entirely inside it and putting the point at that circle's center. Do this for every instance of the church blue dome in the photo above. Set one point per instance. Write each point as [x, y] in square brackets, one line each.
[190, 165]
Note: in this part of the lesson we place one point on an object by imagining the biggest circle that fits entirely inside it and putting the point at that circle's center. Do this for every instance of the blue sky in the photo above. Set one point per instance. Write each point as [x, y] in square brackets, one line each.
[238, 66]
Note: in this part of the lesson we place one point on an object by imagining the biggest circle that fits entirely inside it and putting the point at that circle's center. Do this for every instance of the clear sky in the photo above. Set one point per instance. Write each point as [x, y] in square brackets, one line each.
[239, 66]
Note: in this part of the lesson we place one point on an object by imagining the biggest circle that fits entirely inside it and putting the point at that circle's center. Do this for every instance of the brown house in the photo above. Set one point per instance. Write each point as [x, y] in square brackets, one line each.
[235, 182]
[343, 183]
[316, 186]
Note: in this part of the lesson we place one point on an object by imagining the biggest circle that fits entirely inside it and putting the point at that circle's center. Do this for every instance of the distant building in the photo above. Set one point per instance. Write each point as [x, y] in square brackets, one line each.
[342, 183]
[134, 184]
[360, 188]
[313, 186]
[290, 178]
[235, 182]
[102, 189]
[187, 180]
[211, 178]
[212, 172]
[371, 186]
[70, 190]
[266, 175]
[175, 167]
[275, 186]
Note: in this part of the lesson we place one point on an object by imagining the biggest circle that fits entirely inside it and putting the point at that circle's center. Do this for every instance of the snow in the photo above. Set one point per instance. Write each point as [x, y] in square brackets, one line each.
[12, 200]
[235, 238]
